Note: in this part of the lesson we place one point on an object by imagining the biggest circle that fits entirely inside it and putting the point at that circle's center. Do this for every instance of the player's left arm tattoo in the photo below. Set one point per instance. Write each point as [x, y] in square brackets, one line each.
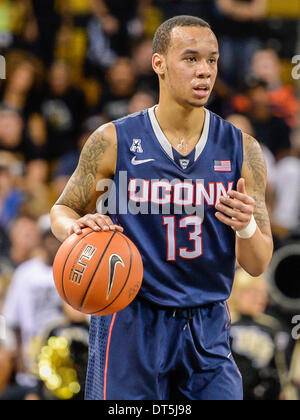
[80, 194]
[255, 174]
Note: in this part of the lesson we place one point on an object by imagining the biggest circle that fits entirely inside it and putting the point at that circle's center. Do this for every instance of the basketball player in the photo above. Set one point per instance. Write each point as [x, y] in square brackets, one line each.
[172, 342]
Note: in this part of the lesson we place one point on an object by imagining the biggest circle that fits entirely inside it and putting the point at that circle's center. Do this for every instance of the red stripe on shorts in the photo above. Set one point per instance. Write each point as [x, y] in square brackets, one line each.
[107, 355]
[228, 313]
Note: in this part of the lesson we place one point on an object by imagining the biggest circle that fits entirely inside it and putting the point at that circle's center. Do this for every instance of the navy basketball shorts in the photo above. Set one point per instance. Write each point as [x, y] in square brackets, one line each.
[148, 353]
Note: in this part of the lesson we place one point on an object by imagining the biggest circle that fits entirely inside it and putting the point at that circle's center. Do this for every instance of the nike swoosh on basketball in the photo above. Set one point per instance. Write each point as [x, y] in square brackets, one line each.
[113, 261]
[140, 162]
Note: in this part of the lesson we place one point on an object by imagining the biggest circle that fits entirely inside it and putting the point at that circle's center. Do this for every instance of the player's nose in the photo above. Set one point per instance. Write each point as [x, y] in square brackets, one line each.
[203, 70]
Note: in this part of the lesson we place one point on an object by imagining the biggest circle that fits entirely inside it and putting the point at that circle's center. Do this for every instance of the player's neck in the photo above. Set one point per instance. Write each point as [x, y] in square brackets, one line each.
[180, 125]
[178, 119]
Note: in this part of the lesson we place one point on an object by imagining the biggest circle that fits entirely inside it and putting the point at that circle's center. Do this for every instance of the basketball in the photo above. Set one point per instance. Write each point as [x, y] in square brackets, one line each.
[98, 273]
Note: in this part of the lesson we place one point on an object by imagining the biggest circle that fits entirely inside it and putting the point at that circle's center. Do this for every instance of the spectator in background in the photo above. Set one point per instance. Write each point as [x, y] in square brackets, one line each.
[240, 24]
[4, 284]
[23, 128]
[255, 339]
[142, 59]
[286, 184]
[66, 165]
[6, 265]
[11, 129]
[20, 90]
[35, 138]
[6, 35]
[117, 93]
[141, 100]
[48, 21]
[72, 326]
[22, 193]
[30, 303]
[272, 131]
[11, 197]
[121, 21]
[100, 55]
[266, 66]
[7, 346]
[24, 25]
[63, 109]
[200, 8]
[25, 239]
[35, 185]
[6, 365]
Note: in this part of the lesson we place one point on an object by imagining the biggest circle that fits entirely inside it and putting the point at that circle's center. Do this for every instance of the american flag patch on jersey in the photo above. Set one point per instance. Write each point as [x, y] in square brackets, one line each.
[222, 165]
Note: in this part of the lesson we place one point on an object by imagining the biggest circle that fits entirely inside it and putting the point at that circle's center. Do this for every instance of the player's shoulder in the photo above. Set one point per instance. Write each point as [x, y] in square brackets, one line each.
[225, 129]
[99, 153]
[103, 138]
[218, 120]
[108, 131]
[253, 152]
[131, 118]
[250, 141]
[105, 131]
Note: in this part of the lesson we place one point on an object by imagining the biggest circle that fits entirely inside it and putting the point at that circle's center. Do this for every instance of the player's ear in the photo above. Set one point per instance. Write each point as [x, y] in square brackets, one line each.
[159, 64]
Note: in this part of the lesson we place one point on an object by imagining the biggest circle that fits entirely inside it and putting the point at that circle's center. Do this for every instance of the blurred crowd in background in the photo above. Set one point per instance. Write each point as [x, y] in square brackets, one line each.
[72, 65]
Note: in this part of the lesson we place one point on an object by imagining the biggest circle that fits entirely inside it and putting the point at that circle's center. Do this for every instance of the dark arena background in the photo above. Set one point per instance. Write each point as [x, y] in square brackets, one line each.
[70, 66]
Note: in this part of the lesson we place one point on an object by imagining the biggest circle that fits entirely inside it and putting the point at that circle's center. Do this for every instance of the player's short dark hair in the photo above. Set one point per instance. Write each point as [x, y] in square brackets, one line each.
[162, 36]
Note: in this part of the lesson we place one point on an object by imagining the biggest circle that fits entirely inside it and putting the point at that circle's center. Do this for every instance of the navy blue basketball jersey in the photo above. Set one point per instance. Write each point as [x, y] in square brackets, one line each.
[166, 204]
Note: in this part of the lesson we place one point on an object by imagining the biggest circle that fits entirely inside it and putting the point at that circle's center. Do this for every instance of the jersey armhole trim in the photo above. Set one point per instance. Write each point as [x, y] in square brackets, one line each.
[118, 154]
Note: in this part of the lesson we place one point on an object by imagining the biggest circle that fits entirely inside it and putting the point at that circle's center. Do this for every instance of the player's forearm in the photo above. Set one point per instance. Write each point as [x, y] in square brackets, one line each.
[255, 254]
[62, 219]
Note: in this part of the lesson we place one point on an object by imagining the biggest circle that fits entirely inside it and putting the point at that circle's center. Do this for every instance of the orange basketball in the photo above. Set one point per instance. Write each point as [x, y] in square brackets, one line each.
[98, 273]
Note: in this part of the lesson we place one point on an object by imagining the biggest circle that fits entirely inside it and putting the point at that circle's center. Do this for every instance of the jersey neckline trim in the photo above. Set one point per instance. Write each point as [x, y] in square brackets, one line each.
[167, 146]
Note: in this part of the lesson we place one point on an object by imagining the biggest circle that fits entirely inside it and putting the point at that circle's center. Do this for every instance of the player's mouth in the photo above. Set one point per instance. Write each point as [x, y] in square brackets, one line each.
[202, 91]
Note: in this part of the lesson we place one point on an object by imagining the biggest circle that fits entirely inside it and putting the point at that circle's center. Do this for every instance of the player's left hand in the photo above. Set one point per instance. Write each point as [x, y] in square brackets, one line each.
[236, 210]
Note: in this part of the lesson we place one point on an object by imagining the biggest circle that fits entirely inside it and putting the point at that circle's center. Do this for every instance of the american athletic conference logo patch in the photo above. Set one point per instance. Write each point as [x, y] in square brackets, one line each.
[137, 146]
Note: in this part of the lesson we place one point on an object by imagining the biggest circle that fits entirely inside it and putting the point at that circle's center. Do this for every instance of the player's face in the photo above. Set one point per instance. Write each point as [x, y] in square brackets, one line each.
[191, 65]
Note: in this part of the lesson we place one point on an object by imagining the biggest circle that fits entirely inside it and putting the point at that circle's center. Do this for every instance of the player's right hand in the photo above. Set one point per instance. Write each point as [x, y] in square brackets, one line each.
[97, 222]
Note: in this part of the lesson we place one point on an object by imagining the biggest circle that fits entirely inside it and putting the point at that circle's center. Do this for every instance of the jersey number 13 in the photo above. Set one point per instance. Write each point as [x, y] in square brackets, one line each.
[195, 236]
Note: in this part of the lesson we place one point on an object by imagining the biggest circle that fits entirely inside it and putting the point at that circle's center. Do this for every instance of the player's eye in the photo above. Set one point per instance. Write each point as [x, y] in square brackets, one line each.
[212, 60]
[191, 59]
